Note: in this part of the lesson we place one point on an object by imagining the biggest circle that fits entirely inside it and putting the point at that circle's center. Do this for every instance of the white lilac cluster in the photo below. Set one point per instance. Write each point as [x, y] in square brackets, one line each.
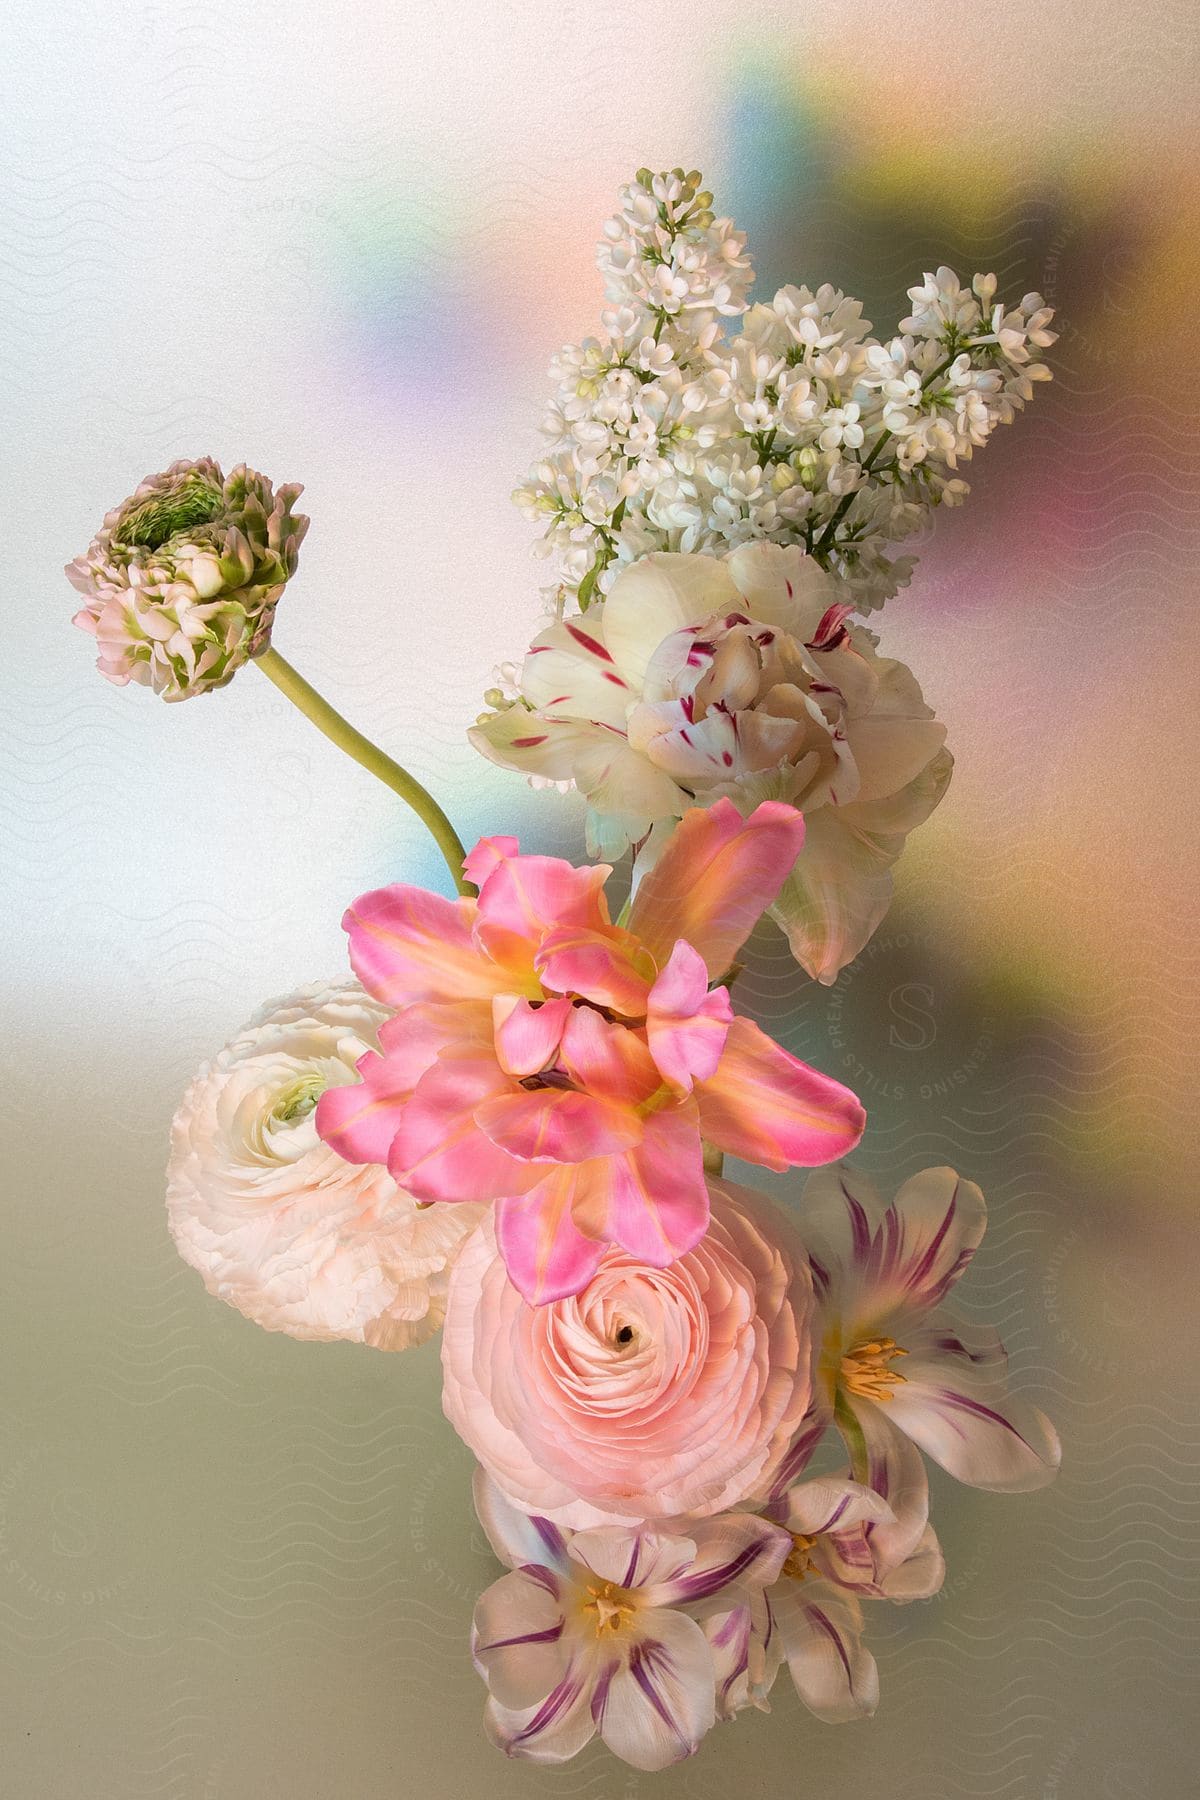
[673, 433]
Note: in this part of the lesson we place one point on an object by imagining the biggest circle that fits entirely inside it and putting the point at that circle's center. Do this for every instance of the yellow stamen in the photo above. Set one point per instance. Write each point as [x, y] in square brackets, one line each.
[799, 1562]
[610, 1606]
[866, 1369]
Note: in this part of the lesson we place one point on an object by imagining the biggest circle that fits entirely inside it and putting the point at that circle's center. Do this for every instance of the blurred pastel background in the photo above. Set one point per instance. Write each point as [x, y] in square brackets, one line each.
[342, 244]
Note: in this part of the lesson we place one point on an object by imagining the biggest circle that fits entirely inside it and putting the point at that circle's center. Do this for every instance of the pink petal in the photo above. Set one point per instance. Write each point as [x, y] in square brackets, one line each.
[545, 1253]
[359, 1121]
[487, 856]
[527, 1036]
[557, 1125]
[768, 1107]
[686, 1026]
[438, 1152]
[715, 879]
[608, 1058]
[658, 1203]
[522, 898]
[408, 945]
[594, 965]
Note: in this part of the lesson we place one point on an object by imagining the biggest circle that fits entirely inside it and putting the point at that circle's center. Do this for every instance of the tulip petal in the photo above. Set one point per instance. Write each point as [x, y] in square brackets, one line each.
[660, 1703]
[686, 1026]
[522, 898]
[921, 1574]
[903, 1257]
[360, 1120]
[897, 1474]
[594, 965]
[804, 1444]
[569, 673]
[527, 1035]
[821, 1628]
[631, 1557]
[832, 1505]
[730, 1635]
[658, 1202]
[517, 1537]
[607, 1058]
[960, 1416]
[545, 1253]
[781, 585]
[487, 856]
[531, 742]
[552, 1732]
[768, 1107]
[735, 1549]
[715, 879]
[407, 945]
[519, 1638]
[438, 1151]
[557, 1125]
[889, 752]
[655, 596]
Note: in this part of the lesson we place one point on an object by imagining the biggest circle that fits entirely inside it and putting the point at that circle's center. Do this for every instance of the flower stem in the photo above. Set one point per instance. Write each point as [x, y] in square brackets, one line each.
[340, 732]
[852, 1437]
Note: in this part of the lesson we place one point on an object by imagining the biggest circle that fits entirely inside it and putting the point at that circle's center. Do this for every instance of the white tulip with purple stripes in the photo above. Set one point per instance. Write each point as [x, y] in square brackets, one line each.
[894, 1370]
[599, 1632]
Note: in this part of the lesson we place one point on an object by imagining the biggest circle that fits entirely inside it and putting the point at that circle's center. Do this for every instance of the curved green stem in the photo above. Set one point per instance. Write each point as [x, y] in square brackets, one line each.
[340, 732]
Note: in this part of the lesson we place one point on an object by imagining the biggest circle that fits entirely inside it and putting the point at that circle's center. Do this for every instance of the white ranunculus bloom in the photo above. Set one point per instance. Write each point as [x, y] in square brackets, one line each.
[700, 677]
[278, 1224]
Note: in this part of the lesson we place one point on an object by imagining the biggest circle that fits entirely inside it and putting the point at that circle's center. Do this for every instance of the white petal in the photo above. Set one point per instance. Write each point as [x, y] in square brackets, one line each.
[570, 674]
[517, 1537]
[835, 1675]
[782, 586]
[655, 596]
[519, 1639]
[921, 1575]
[552, 1732]
[961, 1416]
[838, 892]
[660, 1704]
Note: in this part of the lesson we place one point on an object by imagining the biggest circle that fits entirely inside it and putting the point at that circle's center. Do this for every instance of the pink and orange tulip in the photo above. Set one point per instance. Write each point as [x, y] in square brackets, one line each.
[569, 1069]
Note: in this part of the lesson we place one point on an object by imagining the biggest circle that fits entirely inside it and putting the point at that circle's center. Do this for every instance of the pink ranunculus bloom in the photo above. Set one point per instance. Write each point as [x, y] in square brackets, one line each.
[848, 1544]
[599, 1632]
[893, 1367]
[650, 1394]
[567, 1069]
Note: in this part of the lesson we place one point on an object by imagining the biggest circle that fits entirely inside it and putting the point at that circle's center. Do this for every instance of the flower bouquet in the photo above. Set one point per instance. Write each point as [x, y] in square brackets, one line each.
[510, 1123]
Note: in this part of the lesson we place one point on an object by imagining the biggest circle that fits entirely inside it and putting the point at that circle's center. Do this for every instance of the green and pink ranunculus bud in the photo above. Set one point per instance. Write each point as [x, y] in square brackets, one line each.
[569, 1069]
[181, 583]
